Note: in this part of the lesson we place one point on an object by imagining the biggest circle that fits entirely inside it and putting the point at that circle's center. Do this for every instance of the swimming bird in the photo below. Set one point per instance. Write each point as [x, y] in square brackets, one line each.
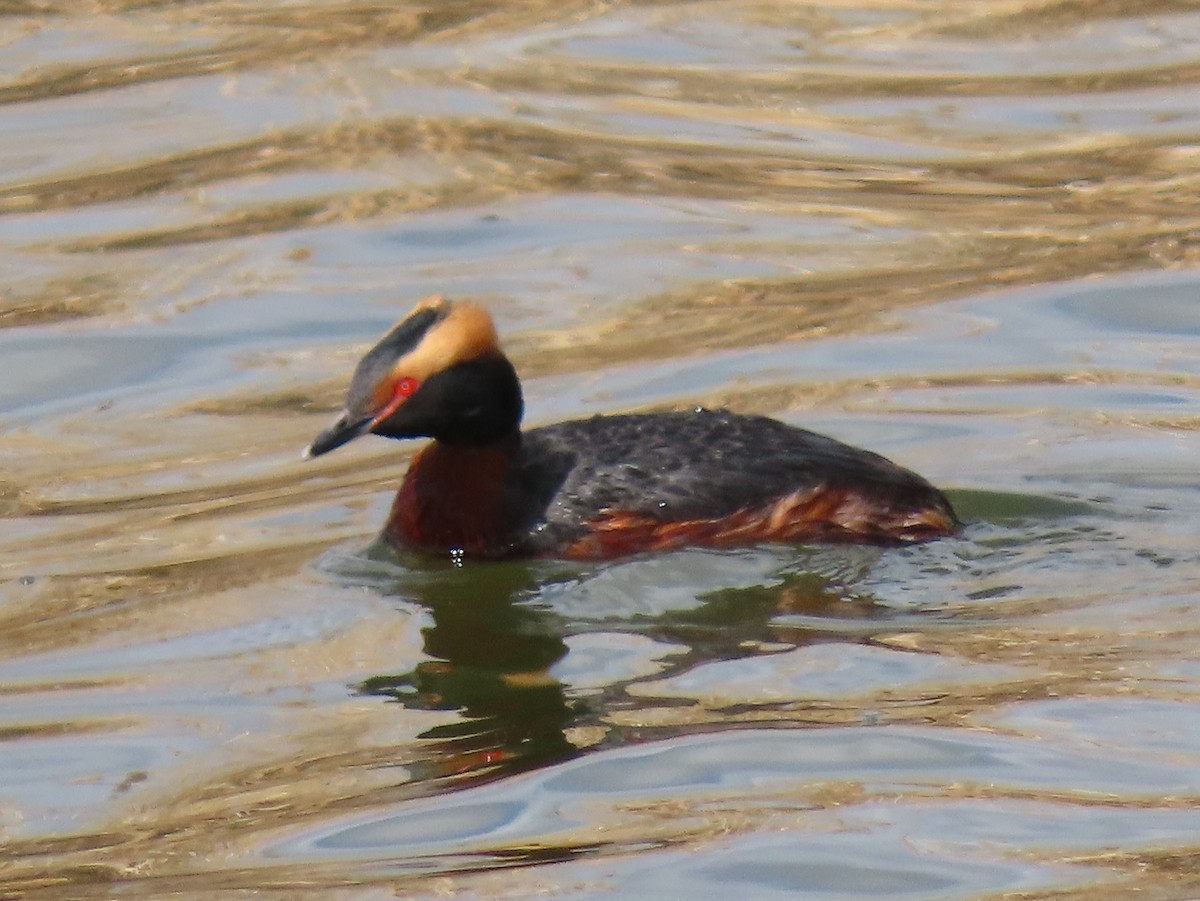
[608, 486]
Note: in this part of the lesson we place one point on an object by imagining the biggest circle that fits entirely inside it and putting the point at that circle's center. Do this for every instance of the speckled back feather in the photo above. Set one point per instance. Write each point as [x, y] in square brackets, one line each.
[641, 472]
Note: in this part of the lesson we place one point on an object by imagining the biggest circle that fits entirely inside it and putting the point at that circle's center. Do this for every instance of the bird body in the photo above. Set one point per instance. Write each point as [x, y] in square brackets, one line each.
[607, 486]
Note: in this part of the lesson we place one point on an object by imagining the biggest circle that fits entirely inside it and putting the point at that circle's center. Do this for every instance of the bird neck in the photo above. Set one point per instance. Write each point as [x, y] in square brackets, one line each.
[455, 497]
[474, 404]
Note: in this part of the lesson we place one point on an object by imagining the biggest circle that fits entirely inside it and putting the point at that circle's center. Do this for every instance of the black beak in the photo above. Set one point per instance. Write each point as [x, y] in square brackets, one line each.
[345, 429]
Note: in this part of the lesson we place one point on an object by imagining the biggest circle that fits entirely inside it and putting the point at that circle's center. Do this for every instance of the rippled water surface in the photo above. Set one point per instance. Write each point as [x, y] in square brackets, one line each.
[964, 234]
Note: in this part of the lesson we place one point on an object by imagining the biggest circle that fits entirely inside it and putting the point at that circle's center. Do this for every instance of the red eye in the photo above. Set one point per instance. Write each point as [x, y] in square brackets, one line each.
[402, 390]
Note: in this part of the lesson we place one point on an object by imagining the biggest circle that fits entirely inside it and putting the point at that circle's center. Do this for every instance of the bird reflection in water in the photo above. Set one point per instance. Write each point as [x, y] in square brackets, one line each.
[495, 636]
[491, 654]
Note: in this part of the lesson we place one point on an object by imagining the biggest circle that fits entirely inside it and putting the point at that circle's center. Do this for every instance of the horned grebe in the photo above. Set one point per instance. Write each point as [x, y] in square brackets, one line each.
[607, 486]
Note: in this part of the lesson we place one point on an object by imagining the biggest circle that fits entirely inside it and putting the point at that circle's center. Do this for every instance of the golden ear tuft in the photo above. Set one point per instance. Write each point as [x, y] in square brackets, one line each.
[474, 330]
[463, 332]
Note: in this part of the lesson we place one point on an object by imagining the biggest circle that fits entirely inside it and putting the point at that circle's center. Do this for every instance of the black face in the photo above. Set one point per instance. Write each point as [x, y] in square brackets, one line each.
[470, 403]
[377, 364]
[476, 402]
[371, 370]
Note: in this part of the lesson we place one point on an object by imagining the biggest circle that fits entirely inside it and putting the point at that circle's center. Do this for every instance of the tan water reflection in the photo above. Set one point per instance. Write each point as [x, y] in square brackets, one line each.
[207, 209]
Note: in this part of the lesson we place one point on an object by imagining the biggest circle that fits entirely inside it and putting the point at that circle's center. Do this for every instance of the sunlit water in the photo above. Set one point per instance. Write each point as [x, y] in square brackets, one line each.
[961, 234]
